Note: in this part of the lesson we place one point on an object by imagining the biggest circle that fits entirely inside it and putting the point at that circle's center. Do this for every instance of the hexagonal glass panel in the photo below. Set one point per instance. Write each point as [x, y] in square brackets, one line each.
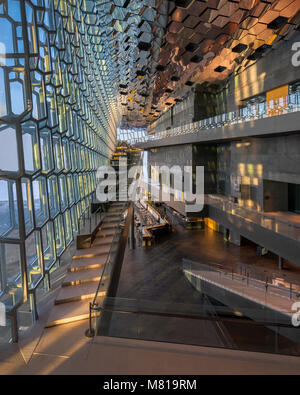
[8, 149]
[54, 199]
[39, 187]
[49, 248]
[11, 287]
[30, 147]
[59, 235]
[27, 204]
[9, 217]
[34, 259]
[46, 151]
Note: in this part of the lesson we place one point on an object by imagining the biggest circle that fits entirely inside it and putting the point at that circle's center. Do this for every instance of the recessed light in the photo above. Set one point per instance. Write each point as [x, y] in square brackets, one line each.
[142, 46]
[196, 59]
[191, 47]
[278, 23]
[220, 69]
[160, 67]
[239, 48]
[183, 3]
[259, 52]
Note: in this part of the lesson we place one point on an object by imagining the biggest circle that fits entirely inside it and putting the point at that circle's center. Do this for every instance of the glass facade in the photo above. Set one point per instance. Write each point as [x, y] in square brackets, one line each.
[57, 126]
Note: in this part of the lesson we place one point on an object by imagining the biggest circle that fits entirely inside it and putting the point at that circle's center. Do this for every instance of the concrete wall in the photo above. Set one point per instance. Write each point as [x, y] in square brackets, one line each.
[271, 71]
[275, 196]
[266, 165]
[206, 155]
[172, 156]
[262, 166]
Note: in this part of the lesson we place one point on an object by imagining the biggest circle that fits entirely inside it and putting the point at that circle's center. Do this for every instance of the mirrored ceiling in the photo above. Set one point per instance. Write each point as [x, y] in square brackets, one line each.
[155, 51]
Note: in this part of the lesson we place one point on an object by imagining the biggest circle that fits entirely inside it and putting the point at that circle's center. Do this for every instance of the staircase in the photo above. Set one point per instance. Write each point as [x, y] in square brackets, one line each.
[81, 281]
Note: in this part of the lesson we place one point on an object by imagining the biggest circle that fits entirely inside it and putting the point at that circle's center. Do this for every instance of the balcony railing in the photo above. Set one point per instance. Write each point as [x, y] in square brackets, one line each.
[271, 222]
[284, 105]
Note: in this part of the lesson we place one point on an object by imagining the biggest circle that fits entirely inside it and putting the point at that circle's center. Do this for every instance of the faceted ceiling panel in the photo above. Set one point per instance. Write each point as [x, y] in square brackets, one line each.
[132, 33]
[156, 50]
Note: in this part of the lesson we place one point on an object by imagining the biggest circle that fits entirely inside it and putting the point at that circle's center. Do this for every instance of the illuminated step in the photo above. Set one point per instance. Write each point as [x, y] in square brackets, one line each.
[91, 252]
[108, 226]
[101, 241]
[76, 293]
[82, 277]
[105, 233]
[88, 263]
[69, 312]
[114, 215]
[115, 210]
[111, 220]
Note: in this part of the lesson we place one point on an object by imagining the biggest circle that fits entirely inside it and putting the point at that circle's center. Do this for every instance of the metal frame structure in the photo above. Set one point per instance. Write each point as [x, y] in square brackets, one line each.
[57, 126]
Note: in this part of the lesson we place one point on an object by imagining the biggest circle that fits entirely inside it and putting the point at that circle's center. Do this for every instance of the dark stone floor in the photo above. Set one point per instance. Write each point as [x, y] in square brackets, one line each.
[154, 274]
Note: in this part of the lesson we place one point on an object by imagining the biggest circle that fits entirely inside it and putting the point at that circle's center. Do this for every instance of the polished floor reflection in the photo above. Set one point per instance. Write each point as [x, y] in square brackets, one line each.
[153, 279]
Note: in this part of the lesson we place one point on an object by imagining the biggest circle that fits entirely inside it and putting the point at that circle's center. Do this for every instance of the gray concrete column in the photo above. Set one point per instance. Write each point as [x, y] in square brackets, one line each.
[235, 237]
[132, 233]
[280, 263]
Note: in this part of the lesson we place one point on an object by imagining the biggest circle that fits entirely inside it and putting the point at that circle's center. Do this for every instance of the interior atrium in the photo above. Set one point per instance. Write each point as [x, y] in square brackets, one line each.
[185, 116]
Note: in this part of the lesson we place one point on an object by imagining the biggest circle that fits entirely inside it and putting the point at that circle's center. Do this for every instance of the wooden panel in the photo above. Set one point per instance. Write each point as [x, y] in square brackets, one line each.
[277, 99]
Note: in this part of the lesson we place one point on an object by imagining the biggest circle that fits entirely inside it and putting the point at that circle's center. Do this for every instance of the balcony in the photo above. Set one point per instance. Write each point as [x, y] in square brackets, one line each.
[261, 119]
[279, 231]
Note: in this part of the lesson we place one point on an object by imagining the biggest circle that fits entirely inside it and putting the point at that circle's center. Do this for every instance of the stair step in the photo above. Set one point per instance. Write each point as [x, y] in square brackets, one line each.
[105, 233]
[69, 312]
[92, 252]
[82, 277]
[102, 241]
[109, 220]
[87, 263]
[115, 210]
[108, 226]
[78, 292]
[112, 215]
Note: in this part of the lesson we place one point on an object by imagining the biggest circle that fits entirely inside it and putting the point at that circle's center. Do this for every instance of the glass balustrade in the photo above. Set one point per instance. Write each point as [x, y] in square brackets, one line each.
[253, 112]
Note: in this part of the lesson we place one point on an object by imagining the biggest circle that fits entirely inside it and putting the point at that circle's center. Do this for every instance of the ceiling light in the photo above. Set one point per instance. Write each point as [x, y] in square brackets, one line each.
[239, 48]
[160, 67]
[220, 69]
[196, 59]
[191, 47]
[278, 23]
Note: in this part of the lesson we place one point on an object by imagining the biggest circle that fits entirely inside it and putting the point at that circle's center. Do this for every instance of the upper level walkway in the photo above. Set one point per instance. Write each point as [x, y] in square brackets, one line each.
[257, 120]
[278, 232]
[283, 223]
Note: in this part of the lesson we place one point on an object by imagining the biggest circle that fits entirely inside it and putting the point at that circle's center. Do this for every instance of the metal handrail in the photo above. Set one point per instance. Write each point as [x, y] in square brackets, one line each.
[235, 209]
[232, 318]
[245, 114]
[291, 292]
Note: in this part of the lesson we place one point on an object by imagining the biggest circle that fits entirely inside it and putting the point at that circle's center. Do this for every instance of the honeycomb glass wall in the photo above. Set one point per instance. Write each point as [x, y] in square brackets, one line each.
[57, 126]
